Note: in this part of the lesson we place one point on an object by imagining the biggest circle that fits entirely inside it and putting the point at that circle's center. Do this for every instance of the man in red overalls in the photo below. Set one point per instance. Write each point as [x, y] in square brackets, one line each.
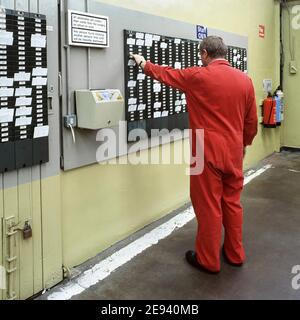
[221, 100]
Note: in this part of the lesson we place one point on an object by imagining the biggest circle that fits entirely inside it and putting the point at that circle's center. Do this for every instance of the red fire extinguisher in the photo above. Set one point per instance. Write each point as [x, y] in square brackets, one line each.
[269, 112]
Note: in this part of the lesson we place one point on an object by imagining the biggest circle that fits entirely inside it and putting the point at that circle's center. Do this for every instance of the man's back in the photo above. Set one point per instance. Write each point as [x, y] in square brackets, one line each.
[222, 93]
[220, 98]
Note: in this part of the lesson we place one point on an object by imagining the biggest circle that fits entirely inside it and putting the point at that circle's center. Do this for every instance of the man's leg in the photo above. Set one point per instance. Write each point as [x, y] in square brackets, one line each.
[233, 217]
[206, 194]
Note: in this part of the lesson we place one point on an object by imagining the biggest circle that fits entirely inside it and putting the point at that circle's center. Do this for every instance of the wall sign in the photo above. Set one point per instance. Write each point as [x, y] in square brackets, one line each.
[268, 85]
[201, 32]
[262, 31]
[88, 30]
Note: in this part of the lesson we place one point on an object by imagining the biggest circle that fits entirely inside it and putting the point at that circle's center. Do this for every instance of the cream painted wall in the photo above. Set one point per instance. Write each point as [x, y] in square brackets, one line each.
[52, 231]
[103, 204]
[291, 132]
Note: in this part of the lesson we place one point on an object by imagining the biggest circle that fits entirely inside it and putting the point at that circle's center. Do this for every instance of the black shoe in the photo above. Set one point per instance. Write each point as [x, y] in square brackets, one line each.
[228, 261]
[192, 260]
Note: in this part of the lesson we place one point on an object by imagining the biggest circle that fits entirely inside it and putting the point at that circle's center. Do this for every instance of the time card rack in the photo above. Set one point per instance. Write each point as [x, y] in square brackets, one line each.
[24, 129]
[150, 104]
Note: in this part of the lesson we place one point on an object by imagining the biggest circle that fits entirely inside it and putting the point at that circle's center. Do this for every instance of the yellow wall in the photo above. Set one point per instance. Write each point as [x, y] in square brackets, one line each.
[52, 231]
[291, 132]
[103, 204]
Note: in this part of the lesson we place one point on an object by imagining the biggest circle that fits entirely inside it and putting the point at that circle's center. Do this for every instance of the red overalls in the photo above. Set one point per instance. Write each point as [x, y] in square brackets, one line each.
[221, 100]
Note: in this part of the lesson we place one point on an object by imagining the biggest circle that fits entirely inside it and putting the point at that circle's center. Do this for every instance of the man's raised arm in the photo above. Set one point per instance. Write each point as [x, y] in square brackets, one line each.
[175, 78]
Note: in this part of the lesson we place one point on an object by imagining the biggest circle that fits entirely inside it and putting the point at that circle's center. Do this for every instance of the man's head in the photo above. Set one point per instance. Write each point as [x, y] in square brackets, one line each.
[212, 48]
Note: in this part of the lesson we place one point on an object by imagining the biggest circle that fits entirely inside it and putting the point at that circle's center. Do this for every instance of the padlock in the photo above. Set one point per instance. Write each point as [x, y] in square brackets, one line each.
[27, 231]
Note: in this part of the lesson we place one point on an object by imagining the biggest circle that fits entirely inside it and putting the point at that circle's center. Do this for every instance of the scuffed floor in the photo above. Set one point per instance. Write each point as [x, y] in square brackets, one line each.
[272, 241]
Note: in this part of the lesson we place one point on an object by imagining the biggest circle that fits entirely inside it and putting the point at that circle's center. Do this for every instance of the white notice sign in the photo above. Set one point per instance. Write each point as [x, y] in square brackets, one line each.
[88, 30]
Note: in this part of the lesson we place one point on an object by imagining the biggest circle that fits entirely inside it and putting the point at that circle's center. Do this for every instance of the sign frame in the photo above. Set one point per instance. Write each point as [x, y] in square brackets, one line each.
[88, 15]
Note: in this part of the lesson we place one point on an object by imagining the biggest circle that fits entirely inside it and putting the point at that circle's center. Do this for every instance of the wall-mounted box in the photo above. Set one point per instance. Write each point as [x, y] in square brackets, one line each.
[98, 109]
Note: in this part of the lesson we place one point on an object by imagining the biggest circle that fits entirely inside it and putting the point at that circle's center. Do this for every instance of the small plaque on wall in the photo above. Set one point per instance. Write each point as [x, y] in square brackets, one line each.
[88, 30]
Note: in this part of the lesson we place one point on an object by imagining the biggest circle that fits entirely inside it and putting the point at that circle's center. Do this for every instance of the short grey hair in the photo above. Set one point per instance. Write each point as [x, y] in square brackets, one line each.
[215, 47]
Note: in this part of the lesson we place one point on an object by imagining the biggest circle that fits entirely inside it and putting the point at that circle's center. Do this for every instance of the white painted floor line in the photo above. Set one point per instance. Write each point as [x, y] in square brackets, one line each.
[295, 171]
[256, 173]
[103, 269]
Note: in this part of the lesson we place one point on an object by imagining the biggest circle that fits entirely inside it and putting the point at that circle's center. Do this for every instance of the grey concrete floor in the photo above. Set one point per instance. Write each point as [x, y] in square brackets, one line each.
[271, 237]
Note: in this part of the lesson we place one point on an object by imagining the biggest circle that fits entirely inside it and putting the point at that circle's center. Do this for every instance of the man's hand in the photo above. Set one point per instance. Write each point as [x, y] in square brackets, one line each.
[140, 60]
